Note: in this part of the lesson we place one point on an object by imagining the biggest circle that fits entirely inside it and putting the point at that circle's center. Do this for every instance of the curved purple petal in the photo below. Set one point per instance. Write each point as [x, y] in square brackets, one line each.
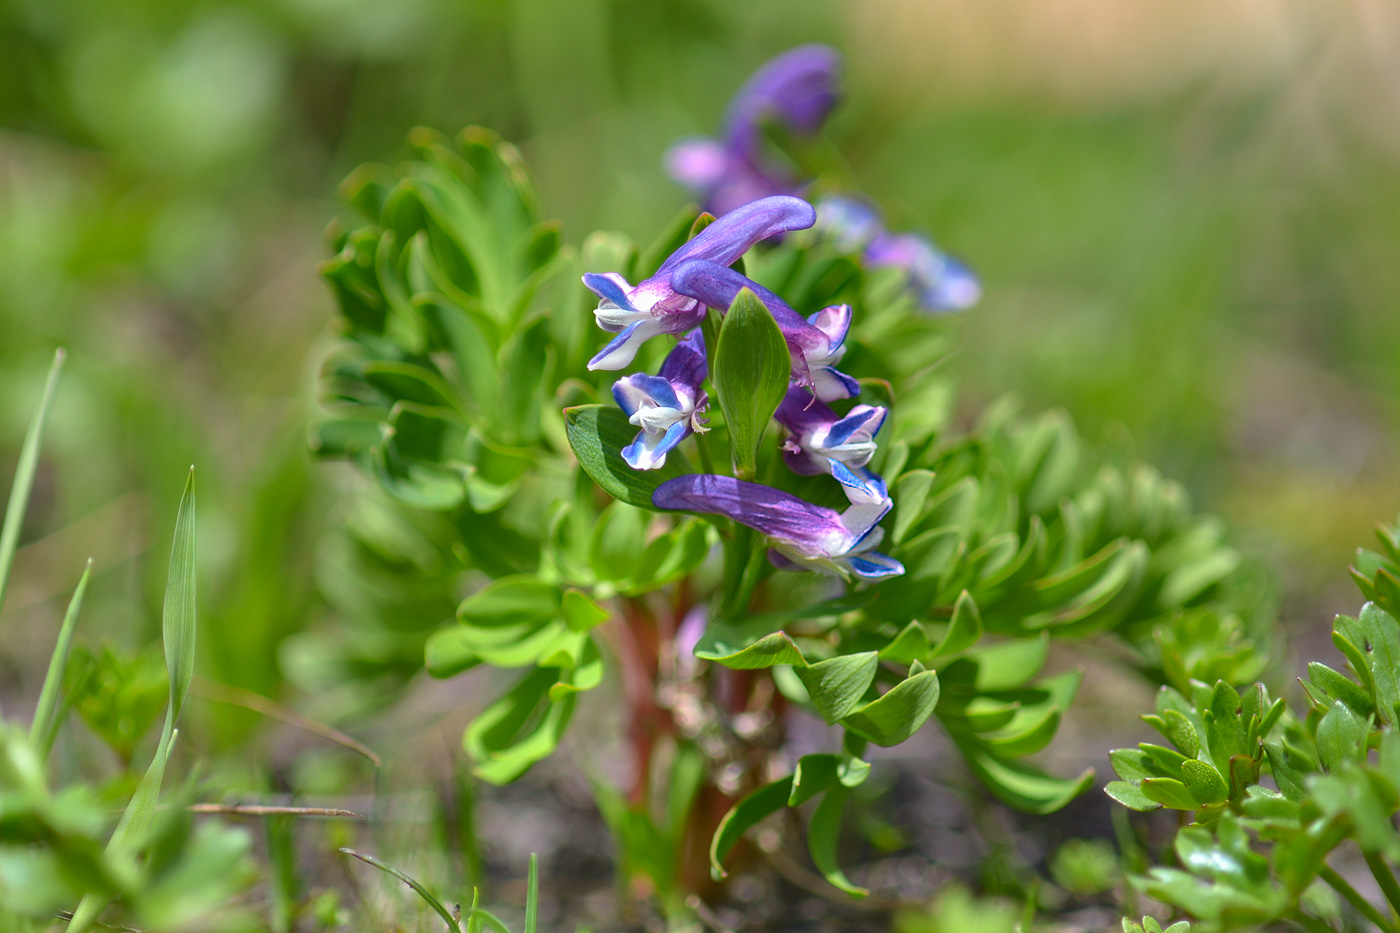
[813, 529]
[718, 285]
[730, 237]
[797, 88]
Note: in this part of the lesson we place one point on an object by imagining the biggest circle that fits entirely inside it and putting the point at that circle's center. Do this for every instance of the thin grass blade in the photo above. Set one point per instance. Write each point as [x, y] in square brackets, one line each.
[136, 819]
[532, 895]
[178, 629]
[40, 733]
[422, 892]
[178, 624]
[24, 477]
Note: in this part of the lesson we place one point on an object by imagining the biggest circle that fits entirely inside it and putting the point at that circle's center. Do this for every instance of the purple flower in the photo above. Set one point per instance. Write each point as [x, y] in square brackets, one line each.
[636, 313]
[820, 441]
[816, 343]
[940, 282]
[851, 223]
[667, 406]
[797, 90]
[804, 536]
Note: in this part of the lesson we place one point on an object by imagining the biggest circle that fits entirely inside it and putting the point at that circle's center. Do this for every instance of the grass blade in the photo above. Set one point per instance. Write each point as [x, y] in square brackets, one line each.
[39, 732]
[136, 818]
[178, 624]
[532, 895]
[422, 892]
[24, 477]
[178, 630]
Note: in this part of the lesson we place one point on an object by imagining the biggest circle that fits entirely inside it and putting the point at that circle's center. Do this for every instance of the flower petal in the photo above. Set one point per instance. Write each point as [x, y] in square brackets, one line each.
[732, 235]
[698, 163]
[717, 285]
[622, 349]
[648, 451]
[812, 529]
[797, 88]
[874, 566]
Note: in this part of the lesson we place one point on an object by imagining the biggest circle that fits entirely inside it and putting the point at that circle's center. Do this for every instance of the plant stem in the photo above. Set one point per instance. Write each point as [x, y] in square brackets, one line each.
[1354, 898]
[1386, 879]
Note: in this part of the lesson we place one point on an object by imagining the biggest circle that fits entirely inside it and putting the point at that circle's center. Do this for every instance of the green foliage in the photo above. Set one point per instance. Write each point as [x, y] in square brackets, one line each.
[1150, 925]
[750, 377]
[23, 483]
[52, 848]
[465, 333]
[1335, 775]
[477, 917]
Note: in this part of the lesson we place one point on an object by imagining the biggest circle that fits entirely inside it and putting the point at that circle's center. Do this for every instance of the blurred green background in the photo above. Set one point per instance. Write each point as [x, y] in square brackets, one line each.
[1186, 217]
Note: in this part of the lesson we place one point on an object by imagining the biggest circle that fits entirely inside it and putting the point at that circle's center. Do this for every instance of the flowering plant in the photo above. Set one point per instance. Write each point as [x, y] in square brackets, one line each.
[768, 529]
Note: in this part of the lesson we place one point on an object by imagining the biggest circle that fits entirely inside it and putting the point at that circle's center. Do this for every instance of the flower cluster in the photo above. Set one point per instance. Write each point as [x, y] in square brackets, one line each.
[667, 407]
[797, 91]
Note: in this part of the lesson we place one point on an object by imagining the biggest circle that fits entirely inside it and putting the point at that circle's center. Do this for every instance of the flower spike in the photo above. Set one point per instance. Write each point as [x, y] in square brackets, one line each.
[667, 406]
[636, 313]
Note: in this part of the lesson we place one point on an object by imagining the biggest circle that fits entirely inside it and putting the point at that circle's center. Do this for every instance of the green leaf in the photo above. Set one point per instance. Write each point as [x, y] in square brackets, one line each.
[1131, 796]
[597, 434]
[1170, 793]
[515, 600]
[42, 728]
[743, 816]
[813, 774]
[910, 494]
[909, 645]
[1326, 686]
[1022, 785]
[581, 613]
[1204, 782]
[751, 367]
[24, 476]
[823, 839]
[767, 651]
[1341, 737]
[1003, 666]
[837, 685]
[618, 538]
[964, 629]
[898, 714]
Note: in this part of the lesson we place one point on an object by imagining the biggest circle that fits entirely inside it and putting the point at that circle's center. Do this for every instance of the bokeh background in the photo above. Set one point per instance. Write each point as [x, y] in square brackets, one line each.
[1186, 216]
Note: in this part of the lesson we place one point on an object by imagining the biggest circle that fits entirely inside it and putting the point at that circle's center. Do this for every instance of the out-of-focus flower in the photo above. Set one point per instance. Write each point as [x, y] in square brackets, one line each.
[816, 343]
[796, 90]
[636, 313]
[850, 223]
[803, 535]
[820, 441]
[667, 406]
[939, 282]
